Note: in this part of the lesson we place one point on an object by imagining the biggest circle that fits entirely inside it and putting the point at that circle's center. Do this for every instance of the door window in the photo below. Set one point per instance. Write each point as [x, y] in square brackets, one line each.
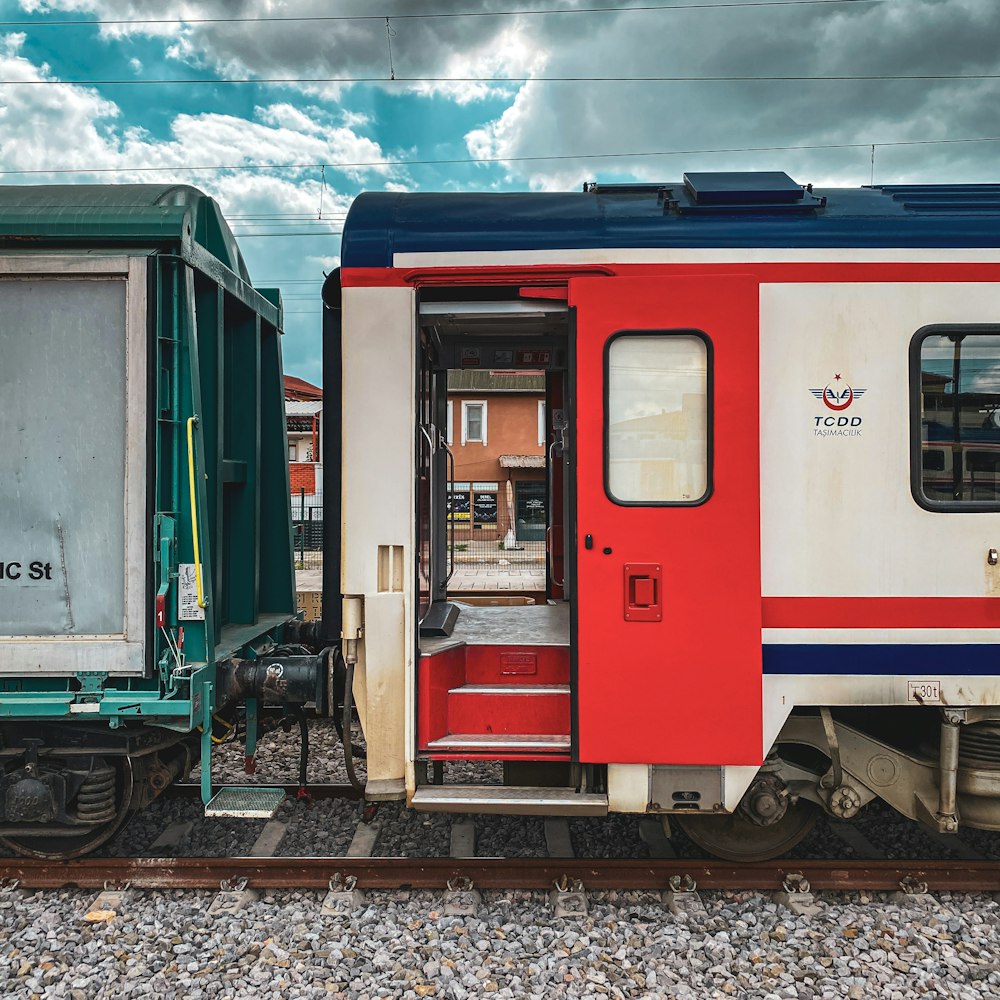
[658, 418]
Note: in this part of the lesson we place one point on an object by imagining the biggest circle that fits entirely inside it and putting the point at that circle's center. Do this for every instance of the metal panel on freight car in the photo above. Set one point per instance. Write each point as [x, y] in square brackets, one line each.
[72, 416]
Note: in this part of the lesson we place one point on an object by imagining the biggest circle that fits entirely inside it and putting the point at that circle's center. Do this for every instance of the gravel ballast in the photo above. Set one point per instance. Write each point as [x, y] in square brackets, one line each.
[401, 945]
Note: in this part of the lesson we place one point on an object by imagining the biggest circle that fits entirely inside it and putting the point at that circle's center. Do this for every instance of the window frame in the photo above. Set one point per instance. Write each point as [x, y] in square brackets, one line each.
[916, 439]
[466, 403]
[541, 423]
[709, 416]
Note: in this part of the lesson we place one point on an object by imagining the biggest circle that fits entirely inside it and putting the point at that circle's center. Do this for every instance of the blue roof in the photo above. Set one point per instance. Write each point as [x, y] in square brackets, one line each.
[704, 210]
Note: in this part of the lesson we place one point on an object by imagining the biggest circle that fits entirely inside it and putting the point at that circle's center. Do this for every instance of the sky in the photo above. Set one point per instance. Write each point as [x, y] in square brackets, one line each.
[459, 95]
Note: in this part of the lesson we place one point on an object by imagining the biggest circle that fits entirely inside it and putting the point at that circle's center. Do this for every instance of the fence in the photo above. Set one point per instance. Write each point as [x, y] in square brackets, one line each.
[474, 549]
[307, 534]
[471, 548]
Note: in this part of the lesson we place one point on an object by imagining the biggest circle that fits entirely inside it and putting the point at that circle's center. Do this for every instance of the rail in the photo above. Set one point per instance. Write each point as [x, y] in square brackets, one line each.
[495, 873]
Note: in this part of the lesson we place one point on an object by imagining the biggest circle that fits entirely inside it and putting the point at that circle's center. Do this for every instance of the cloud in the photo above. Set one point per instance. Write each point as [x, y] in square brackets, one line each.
[420, 47]
[64, 126]
[920, 37]
[57, 127]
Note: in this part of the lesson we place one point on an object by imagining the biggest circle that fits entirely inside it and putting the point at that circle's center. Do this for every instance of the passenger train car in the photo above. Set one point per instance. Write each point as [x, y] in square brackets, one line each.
[772, 511]
[773, 583]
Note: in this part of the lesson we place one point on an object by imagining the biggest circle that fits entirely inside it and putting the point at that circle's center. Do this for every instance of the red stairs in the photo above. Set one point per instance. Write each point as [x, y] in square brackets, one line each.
[484, 702]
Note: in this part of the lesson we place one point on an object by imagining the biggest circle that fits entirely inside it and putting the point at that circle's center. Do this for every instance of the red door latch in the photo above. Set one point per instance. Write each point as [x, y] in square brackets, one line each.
[643, 592]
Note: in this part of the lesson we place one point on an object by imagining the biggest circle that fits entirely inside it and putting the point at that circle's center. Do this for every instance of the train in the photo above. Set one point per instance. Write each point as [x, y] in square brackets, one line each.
[772, 579]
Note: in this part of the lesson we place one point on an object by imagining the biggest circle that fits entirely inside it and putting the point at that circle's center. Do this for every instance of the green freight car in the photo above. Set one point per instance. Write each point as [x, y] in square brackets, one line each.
[145, 525]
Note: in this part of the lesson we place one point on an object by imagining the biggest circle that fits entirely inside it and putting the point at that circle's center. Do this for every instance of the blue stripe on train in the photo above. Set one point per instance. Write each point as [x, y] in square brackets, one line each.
[925, 659]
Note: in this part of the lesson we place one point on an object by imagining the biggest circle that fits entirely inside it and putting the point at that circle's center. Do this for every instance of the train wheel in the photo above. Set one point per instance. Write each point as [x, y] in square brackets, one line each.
[75, 845]
[736, 837]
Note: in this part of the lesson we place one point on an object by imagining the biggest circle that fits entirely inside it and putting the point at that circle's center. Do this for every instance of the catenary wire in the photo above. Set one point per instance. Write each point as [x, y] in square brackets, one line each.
[334, 80]
[493, 159]
[431, 15]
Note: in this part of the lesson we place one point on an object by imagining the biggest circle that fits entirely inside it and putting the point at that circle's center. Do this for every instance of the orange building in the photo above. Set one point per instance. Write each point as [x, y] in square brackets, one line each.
[496, 428]
[304, 418]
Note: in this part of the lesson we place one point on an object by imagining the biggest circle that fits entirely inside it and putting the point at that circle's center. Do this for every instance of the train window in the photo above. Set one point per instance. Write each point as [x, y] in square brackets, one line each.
[658, 418]
[955, 406]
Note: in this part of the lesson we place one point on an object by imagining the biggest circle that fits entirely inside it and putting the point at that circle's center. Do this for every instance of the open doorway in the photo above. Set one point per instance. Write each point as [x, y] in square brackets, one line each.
[493, 447]
[492, 406]
[497, 506]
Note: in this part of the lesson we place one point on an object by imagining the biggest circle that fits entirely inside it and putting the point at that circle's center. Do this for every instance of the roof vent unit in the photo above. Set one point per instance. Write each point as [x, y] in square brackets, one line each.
[598, 187]
[662, 192]
[758, 192]
[950, 198]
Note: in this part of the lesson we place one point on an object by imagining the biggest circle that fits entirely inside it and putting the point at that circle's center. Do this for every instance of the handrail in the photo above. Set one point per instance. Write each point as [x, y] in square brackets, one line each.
[191, 423]
[431, 575]
[550, 557]
[451, 521]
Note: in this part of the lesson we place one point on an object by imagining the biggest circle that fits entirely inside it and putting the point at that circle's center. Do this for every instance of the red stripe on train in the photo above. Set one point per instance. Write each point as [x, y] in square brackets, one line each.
[881, 612]
[766, 273]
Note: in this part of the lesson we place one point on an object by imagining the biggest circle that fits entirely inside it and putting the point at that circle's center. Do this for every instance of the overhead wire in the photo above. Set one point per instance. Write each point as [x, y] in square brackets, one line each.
[334, 80]
[448, 161]
[431, 15]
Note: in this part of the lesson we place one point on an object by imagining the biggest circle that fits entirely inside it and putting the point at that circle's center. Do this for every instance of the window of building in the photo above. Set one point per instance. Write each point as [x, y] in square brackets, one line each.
[658, 418]
[451, 424]
[955, 402]
[292, 453]
[474, 422]
[541, 421]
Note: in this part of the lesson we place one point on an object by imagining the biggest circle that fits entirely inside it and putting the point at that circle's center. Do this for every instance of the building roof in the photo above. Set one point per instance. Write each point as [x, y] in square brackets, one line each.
[522, 461]
[299, 388]
[303, 407]
[476, 380]
[703, 210]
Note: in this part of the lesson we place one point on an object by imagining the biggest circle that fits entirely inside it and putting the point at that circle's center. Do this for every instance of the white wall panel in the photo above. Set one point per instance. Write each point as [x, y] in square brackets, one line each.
[837, 515]
[378, 504]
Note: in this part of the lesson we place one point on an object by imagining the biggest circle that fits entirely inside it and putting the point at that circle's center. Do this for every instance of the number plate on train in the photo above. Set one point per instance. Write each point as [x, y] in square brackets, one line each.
[923, 691]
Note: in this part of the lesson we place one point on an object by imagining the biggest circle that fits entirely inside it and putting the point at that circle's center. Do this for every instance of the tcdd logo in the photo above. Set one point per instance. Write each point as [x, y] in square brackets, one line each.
[838, 397]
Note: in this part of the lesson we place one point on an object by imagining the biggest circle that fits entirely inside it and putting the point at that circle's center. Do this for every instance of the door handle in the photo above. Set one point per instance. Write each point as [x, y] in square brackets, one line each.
[643, 598]
[588, 541]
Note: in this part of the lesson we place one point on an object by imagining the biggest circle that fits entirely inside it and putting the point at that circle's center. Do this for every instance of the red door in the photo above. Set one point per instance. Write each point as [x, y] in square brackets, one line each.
[668, 615]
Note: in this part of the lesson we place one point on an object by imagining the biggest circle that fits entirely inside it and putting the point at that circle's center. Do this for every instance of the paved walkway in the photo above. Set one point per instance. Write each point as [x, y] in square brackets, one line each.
[491, 578]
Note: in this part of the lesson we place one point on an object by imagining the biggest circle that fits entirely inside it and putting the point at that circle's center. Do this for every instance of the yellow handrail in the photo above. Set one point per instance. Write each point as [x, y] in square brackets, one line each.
[194, 511]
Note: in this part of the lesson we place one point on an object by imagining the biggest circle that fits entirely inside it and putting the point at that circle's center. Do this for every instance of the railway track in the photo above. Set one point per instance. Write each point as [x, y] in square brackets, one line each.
[498, 873]
[262, 871]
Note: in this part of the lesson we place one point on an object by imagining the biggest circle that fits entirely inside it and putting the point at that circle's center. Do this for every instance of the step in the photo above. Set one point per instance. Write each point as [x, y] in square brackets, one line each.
[507, 709]
[510, 743]
[509, 689]
[520, 801]
[516, 664]
[246, 801]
